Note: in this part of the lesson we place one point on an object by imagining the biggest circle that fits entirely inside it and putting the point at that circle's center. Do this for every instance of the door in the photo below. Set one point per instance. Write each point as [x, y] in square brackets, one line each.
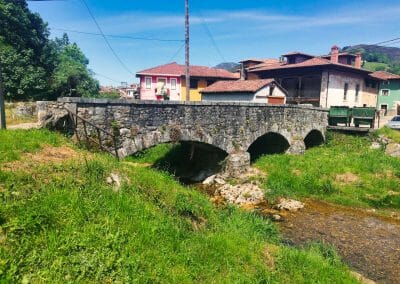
[161, 88]
[384, 109]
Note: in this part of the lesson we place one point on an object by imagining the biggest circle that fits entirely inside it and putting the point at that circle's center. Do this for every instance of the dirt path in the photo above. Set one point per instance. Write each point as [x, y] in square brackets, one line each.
[29, 125]
[370, 244]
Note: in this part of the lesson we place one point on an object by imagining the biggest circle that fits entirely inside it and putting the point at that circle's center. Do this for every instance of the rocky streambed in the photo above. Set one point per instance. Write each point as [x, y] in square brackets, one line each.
[367, 242]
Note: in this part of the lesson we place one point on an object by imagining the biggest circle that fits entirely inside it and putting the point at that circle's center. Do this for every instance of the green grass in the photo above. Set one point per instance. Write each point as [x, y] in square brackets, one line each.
[390, 133]
[315, 174]
[375, 66]
[14, 143]
[63, 223]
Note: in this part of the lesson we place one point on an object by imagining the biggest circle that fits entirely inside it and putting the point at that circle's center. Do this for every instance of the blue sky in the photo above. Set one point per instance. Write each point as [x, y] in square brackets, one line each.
[241, 29]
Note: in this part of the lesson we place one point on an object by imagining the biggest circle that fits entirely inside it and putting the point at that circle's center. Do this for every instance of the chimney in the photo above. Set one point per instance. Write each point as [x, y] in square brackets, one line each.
[335, 54]
[243, 73]
[357, 62]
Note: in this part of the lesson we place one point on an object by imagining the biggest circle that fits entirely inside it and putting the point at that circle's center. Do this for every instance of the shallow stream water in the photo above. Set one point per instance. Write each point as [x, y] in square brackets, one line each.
[367, 242]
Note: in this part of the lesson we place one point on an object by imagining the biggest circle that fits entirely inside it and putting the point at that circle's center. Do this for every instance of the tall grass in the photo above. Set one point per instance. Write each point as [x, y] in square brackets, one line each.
[321, 173]
[62, 223]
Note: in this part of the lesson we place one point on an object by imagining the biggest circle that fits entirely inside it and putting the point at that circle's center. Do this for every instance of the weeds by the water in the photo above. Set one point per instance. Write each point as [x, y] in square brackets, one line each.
[63, 223]
[345, 170]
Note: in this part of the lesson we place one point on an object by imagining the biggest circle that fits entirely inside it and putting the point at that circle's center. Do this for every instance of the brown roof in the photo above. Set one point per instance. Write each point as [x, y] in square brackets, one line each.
[313, 62]
[266, 60]
[175, 69]
[383, 75]
[240, 86]
[297, 53]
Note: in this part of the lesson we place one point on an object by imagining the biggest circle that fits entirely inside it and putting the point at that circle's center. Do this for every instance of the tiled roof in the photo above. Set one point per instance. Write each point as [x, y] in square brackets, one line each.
[383, 75]
[175, 69]
[297, 53]
[240, 86]
[313, 62]
[265, 60]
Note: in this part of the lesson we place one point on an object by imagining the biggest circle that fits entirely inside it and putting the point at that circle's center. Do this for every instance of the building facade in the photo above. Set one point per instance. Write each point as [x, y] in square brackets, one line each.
[168, 82]
[325, 81]
[389, 92]
[257, 91]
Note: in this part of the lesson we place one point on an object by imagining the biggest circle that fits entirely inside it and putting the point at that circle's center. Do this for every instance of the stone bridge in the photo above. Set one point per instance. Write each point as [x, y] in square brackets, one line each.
[238, 129]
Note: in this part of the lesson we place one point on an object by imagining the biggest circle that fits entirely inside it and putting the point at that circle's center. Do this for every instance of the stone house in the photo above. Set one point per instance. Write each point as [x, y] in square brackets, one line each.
[169, 82]
[329, 80]
[389, 92]
[258, 91]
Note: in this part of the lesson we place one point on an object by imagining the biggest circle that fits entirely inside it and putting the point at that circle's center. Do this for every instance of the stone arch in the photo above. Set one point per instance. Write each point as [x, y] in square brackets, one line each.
[314, 138]
[191, 161]
[132, 144]
[269, 143]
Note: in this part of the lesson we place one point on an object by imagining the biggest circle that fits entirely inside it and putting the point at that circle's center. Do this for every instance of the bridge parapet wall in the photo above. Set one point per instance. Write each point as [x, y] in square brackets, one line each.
[232, 127]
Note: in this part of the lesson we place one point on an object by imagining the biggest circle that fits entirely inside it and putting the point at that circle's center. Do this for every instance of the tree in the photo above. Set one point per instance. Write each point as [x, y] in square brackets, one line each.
[26, 54]
[71, 75]
[35, 67]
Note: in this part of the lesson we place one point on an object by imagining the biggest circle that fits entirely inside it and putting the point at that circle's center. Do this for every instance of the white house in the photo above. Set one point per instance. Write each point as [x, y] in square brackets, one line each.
[258, 91]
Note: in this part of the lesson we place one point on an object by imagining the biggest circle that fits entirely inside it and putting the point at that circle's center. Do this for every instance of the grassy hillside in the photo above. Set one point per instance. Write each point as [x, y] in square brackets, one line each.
[378, 57]
[60, 221]
[345, 171]
[376, 66]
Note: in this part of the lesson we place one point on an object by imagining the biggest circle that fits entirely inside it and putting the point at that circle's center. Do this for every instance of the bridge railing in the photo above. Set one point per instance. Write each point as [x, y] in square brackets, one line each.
[101, 132]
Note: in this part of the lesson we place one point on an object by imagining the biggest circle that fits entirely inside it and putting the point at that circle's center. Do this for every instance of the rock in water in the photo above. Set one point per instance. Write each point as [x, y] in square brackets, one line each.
[289, 205]
[210, 180]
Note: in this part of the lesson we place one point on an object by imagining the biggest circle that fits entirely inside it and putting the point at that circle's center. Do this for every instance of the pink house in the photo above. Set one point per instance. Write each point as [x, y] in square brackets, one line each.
[168, 81]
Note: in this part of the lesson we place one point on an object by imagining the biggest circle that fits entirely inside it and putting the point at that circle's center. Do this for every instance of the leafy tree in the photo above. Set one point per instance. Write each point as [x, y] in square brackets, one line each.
[71, 76]
[26, 54]
[32, 65]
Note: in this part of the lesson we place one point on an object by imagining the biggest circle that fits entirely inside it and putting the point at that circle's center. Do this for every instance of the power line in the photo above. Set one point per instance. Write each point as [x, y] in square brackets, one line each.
[176, 53]
[106, 77]
[386, 41]
[120, 36]
[105, 39]
[203, 21]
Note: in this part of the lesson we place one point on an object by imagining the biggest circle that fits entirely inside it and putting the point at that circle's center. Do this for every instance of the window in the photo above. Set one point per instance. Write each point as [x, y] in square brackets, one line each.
[173, 84]
[194, 83]
[385, 92]
[148, 83]
[357, 92]
[346, 88]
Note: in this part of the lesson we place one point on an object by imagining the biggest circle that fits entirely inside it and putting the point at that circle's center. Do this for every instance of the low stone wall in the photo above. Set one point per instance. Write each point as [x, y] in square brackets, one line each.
[231, 127]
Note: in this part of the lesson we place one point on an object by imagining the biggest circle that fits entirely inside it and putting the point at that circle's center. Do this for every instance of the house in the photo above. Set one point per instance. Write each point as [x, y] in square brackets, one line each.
[259, 91]
[389, 92]
[329, 80]
[168, 81]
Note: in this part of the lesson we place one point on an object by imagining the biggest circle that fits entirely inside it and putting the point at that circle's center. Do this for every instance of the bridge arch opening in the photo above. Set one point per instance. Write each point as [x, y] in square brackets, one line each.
[270, 143]
[314, 139]
[189, 161]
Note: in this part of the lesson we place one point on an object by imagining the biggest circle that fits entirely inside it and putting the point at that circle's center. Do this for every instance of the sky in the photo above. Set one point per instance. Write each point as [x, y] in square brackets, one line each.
[220, 30]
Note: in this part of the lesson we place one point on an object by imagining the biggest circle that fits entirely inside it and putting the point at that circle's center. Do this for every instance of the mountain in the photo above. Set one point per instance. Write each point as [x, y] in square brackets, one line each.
[378, 57]
[392, 53]
[229, 66]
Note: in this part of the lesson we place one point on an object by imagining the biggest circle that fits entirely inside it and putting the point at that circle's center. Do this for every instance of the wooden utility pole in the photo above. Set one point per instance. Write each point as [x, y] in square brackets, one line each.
[2, 107]
[187, 62]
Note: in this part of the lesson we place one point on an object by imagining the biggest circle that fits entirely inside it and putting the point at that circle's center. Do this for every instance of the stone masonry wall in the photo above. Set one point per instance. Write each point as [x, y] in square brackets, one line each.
[232, 127]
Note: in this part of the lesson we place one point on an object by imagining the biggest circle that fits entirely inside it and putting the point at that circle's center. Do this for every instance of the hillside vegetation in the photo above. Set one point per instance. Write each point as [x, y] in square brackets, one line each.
[378, 58]
[60, 221]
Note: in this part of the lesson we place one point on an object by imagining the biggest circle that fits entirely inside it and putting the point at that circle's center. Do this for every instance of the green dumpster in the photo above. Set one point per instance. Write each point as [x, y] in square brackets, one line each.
[364, 115]
[339, 114]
